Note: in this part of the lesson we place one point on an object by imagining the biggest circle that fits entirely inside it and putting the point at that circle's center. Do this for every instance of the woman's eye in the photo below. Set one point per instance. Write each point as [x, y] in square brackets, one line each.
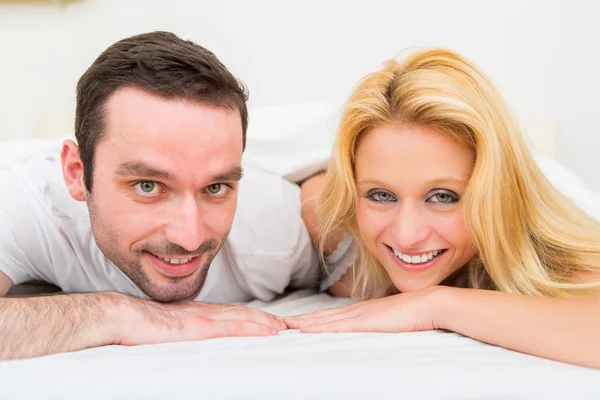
[443, 198]
[381, 197]
[218, 189]
[146, 188]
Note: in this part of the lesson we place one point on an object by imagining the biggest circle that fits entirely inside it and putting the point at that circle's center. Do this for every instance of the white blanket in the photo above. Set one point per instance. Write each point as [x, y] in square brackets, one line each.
[300, 366]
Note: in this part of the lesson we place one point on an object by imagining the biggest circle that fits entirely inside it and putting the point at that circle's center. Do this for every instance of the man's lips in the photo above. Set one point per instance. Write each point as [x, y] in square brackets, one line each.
[177, 266]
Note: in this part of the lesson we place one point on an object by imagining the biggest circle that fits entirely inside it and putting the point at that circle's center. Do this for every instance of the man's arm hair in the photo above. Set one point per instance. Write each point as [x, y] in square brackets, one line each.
[58, 323]
[37, 326]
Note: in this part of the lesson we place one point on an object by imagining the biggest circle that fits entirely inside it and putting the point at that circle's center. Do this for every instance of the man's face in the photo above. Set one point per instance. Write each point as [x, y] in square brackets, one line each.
[165, 189]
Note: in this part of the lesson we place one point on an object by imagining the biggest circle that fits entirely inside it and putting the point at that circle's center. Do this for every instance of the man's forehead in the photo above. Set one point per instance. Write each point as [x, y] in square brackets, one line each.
[133, 115]
[170, 136]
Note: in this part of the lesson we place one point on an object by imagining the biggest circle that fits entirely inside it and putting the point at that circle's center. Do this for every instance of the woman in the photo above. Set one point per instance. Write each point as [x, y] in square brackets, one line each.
[455, 226]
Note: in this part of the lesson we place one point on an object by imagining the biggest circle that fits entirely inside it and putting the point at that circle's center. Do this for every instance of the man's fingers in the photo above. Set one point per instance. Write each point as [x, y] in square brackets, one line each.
[248, 314]
[230, 328]
[259, 317]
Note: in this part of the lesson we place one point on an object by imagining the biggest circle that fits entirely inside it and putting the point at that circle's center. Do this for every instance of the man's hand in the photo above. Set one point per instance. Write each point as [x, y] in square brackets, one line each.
[146, 322]
[38, 326]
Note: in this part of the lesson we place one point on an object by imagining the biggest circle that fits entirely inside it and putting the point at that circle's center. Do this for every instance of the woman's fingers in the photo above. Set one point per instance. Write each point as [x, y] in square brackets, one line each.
[322, 316]
[324, 312]
[349, 324]
[299, 323]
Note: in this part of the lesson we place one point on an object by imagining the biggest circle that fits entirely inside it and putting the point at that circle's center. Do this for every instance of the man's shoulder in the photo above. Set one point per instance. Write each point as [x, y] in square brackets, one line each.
[41, 226]
[268, 219]
[34, 168]
[254, 176]
[35, 184]
[266, 195]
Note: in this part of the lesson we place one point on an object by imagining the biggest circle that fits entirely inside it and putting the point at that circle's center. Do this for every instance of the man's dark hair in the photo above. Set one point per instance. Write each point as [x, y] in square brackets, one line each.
[160, 63]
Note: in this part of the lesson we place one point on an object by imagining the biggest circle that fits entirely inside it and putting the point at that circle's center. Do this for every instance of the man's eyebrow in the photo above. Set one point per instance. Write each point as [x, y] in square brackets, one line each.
[234, 174]
[136, 168]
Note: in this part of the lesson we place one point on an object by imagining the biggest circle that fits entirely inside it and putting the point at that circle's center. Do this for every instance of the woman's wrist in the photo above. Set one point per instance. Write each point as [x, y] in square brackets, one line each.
[443, 305]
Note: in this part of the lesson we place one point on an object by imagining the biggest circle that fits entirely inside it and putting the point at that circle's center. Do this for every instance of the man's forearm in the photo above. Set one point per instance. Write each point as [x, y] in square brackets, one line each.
[37, 326]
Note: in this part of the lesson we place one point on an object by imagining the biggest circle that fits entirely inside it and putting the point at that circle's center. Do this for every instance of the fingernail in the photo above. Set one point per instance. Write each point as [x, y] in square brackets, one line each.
[274, 331]
[280, 318]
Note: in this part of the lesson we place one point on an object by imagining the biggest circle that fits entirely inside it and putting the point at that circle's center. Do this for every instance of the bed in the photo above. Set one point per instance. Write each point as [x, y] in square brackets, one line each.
[294, 142]
[300, 366]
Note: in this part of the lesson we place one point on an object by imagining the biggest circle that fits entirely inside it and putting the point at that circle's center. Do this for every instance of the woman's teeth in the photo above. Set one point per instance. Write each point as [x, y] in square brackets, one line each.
[418, 259]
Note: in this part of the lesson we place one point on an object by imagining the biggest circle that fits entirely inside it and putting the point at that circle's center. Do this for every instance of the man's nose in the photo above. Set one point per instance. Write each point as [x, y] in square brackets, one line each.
[186, 227]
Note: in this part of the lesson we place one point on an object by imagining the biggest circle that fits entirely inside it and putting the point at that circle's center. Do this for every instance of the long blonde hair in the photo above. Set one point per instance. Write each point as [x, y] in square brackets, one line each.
[529, 238]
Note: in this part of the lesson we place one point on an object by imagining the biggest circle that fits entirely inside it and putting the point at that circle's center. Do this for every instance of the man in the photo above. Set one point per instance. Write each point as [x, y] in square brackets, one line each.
[143, 236]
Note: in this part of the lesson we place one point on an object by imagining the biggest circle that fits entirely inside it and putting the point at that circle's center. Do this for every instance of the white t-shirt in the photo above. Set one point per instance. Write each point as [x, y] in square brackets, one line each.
[46, 235]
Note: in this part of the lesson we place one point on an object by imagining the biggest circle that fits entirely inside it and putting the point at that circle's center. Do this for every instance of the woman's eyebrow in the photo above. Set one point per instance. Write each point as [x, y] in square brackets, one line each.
[447, 180]
[432, 182]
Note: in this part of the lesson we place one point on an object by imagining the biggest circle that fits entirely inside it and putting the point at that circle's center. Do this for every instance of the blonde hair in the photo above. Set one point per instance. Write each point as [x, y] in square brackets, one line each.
[529, 238]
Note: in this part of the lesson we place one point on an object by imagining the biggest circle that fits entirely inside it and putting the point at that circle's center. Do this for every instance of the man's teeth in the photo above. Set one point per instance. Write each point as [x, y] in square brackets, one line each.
[175, 260]
[418, 259]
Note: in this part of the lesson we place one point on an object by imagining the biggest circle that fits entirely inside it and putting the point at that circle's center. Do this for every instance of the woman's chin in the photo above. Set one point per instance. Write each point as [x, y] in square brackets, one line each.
[404, 285]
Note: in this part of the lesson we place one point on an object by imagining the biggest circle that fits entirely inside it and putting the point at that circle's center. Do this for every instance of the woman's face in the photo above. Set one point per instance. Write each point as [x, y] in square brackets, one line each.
[410, 184]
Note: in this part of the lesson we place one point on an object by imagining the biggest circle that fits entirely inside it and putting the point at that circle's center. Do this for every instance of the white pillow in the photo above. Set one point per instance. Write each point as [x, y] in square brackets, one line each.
[293, 141]
[570, 185]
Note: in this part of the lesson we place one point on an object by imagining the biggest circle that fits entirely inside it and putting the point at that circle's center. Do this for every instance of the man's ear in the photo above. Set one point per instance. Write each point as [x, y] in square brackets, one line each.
[72, 169]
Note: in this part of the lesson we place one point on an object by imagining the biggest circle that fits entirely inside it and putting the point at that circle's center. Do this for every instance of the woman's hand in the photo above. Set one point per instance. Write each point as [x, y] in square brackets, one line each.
[405, 312]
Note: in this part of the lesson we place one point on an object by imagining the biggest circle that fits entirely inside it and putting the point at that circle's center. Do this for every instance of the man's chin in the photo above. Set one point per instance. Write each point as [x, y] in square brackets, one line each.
[171, 291]
[167, 289]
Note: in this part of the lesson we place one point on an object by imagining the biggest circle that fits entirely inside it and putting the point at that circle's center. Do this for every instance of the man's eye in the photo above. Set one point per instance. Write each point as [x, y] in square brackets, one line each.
[218, 189]
[147, 188]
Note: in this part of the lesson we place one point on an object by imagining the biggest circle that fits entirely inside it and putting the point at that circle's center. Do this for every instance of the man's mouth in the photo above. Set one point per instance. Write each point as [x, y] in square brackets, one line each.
[176, 260]
[175, 267]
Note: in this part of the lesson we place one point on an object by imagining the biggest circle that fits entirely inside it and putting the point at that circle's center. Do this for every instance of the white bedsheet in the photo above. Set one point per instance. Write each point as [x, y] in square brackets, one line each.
[300, 366]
